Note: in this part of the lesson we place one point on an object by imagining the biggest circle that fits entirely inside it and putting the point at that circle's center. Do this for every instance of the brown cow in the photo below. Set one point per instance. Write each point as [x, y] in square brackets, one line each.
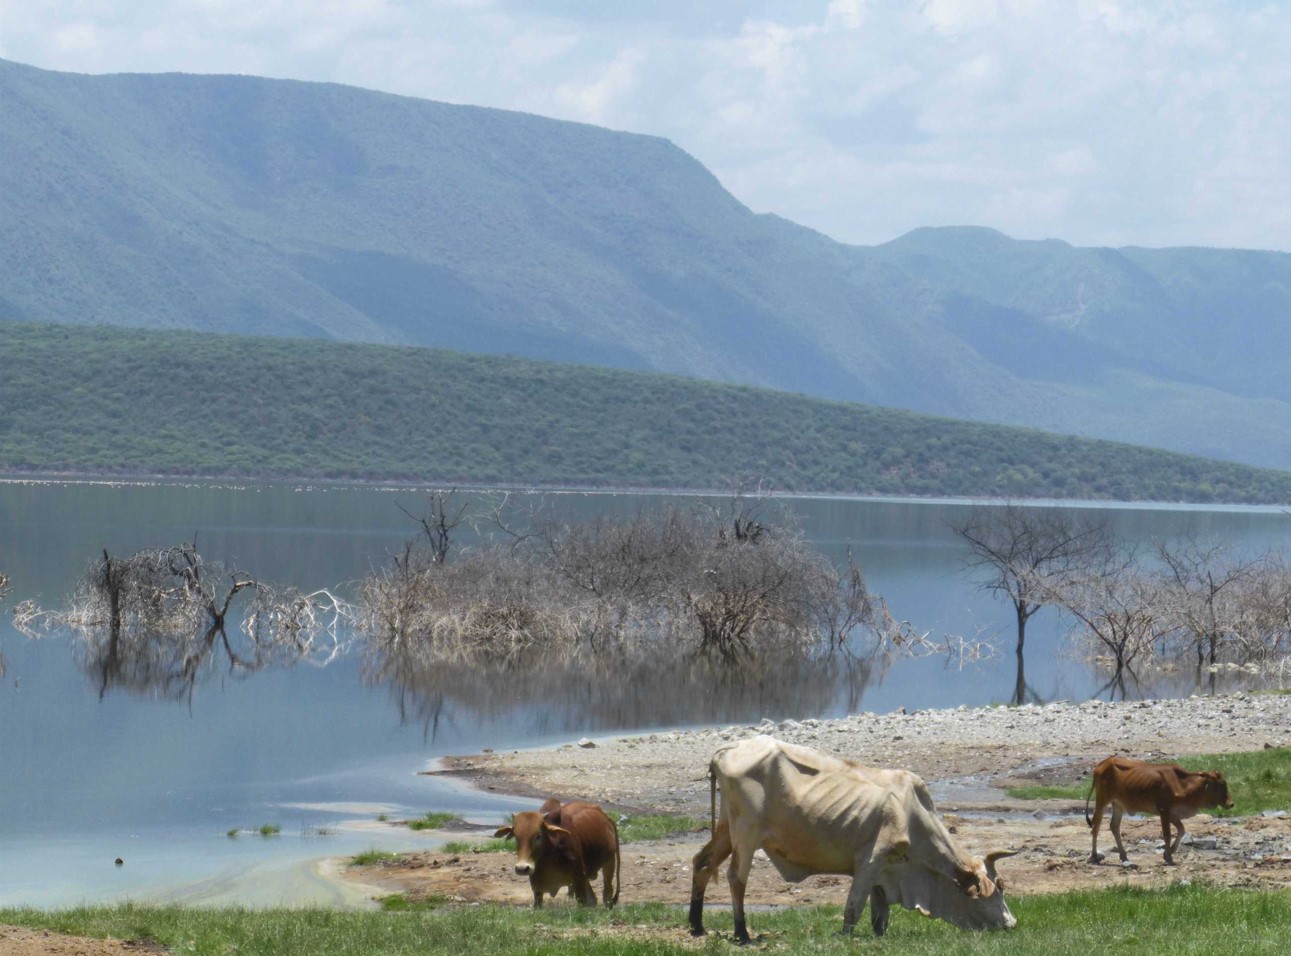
[566, 845]
[1162, 788]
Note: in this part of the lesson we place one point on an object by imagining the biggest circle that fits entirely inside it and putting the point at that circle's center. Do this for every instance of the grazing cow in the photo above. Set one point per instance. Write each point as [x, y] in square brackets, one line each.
[813, 813]
[1162, 788]
[566, 845]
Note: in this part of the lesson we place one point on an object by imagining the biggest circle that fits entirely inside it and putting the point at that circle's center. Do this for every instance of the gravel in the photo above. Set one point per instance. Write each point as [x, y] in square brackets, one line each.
[668, 770]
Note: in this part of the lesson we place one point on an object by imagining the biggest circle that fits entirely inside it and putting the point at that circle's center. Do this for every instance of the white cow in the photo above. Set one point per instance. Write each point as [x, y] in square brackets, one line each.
[813, 813]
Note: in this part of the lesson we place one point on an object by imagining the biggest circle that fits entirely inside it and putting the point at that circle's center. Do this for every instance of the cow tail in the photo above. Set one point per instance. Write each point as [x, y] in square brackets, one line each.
[712, 800]
[1089, 821]
[618, 863]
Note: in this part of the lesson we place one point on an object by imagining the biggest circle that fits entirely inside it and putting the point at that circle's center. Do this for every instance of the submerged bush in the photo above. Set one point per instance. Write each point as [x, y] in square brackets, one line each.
[680, 583]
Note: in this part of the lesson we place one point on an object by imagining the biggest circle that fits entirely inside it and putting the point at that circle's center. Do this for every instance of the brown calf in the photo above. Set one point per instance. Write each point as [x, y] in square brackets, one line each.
[1140, 787]
[566, 845]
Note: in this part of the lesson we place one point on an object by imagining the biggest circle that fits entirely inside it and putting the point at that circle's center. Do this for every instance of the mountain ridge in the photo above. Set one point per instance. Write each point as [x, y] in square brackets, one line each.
[288, 208]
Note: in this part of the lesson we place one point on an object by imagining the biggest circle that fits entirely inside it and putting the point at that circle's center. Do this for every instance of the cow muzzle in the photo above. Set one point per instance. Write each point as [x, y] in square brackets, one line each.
[524, 869]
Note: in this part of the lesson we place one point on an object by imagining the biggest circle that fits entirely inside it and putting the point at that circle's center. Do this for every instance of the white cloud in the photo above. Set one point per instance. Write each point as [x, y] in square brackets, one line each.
[1147, 121]
[595, 102]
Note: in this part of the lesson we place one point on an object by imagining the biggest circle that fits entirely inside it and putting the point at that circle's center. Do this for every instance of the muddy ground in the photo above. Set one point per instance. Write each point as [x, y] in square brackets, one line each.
[968, 756]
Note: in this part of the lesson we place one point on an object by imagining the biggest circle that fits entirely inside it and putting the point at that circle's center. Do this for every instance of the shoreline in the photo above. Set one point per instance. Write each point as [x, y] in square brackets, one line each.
[307, 483]
[969, 748]
[966, 755]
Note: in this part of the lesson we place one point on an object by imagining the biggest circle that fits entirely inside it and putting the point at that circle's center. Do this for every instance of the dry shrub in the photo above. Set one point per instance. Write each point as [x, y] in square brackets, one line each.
[677, 584]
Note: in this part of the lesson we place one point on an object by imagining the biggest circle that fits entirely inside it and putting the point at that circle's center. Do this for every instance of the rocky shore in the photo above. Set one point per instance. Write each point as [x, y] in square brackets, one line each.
[984, 745]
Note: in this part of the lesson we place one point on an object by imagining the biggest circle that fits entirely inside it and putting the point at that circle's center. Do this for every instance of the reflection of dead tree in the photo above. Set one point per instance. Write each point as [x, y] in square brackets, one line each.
[609, 690]
[151, 622]
[1029, 556]
[4, 593]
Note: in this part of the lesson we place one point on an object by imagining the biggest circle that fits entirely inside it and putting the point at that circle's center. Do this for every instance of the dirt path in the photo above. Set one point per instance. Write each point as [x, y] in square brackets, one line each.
[15, 941]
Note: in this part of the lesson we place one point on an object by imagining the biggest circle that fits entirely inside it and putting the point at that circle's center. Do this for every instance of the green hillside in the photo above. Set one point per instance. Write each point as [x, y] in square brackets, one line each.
[129, 402]
[271, 207]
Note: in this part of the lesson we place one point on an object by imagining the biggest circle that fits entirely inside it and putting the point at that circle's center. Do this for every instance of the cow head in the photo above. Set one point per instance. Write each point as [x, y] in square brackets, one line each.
[534, 837]
[973, 898]
[1217, 790]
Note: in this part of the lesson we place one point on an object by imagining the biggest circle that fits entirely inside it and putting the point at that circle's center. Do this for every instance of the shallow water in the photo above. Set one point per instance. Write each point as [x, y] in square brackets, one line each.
[159, 782]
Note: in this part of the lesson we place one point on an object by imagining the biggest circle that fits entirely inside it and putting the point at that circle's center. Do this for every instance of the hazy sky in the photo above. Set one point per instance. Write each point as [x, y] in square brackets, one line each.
[1148, 122]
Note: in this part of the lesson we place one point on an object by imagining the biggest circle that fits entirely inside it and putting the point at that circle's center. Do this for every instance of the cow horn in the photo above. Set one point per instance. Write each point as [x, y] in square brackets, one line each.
[997, 855]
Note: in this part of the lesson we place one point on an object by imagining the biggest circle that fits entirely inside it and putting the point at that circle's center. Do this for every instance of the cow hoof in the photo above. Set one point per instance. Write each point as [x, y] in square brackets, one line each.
[697, 931]
[1129, 865]
[1096, 858]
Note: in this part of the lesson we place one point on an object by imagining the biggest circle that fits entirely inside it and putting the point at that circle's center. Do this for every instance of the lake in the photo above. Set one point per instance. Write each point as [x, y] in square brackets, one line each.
[321, 751]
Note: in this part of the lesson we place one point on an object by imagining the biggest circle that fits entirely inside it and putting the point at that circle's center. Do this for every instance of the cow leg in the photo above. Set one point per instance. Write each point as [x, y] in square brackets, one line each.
[1094, 855]
[537, 896]
[738, 876]
[1178, 837]
[581, 889]
[1165, 837]
[863, 887]
[878, 911]
[1117, 813]
[607, 884]
[704, 868]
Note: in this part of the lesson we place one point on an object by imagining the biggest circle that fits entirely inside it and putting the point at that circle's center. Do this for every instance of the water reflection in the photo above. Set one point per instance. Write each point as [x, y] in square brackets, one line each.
[596, 692]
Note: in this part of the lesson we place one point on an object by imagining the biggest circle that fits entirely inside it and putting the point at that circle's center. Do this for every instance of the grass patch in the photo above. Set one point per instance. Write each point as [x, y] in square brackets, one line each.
[1187, 919]
[432, 821]
[373, 857]
[1076, 792]
[399, 903]
[269, 829]
[491, 845]
[1257, 780]
[656, 826]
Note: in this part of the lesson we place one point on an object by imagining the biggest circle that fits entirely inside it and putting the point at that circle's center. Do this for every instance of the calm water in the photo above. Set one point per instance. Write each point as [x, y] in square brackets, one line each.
[159, 782]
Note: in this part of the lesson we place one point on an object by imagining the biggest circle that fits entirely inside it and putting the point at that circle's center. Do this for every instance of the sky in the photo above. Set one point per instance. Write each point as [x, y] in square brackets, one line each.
[1100, 122]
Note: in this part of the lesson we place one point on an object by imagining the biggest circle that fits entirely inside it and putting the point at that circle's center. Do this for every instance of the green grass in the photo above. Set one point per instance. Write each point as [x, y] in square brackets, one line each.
[1049, 792]
[656, 826]
[399, 903]
[1258, 780]
[373, 857]
[269, 829]
[432, 821]
[1179, 921]
[491, 845]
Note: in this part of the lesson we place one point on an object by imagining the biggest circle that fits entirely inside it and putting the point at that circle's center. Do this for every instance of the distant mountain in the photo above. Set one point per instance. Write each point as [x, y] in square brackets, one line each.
[279, 208]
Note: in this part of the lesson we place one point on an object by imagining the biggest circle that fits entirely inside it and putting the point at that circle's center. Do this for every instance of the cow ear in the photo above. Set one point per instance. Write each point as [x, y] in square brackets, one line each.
[551, 827]
[504, 832]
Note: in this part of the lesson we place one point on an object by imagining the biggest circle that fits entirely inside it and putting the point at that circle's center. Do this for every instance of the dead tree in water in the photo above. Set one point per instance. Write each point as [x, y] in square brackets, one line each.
[1029, 556]
[151, 621]
[1120, 614]
[1203, 586]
